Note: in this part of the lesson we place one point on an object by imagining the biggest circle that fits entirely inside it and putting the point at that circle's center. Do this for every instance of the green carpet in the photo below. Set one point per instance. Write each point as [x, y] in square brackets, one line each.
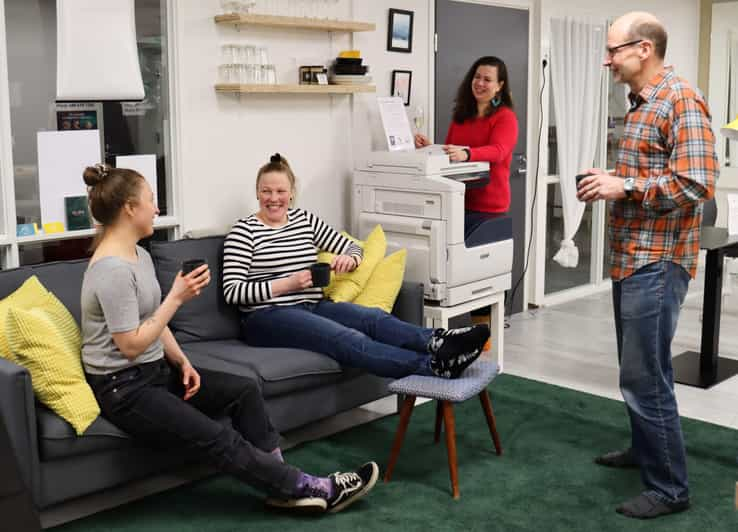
[545, 480]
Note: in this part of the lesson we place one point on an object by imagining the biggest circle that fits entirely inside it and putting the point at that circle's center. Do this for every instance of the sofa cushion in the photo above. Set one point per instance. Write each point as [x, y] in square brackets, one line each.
[282, 370]
[63, 278]
[384, 284]
[47, 342]
[29, 295]
[208, 316]
[345, 287]
[57, 438]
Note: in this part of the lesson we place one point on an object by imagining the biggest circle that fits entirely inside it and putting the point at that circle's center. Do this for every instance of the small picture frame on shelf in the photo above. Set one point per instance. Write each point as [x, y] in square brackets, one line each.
[322, 78]
[402, 84]
[400, 31]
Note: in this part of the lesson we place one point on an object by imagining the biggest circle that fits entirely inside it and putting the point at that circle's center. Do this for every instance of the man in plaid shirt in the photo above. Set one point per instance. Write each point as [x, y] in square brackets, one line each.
[666, 168]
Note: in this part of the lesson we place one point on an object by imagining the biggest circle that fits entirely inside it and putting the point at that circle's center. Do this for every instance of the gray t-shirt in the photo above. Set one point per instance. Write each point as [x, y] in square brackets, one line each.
[117, 296]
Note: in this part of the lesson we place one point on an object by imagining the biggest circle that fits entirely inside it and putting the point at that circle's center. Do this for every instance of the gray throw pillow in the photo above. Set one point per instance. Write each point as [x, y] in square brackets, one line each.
[208, 316]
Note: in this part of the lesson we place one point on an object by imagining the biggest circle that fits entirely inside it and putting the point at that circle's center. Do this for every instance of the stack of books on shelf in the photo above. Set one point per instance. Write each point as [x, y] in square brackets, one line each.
[348, 70]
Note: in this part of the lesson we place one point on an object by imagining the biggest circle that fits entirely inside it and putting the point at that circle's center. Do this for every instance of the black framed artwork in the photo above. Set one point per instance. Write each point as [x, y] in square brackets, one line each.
[401, 84]
[400, 31]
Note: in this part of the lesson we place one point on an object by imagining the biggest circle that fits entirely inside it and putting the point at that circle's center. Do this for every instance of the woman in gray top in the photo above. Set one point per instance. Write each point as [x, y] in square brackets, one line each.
[143, 381]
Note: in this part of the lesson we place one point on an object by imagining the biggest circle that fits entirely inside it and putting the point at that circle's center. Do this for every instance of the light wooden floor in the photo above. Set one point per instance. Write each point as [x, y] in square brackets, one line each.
[573, 345]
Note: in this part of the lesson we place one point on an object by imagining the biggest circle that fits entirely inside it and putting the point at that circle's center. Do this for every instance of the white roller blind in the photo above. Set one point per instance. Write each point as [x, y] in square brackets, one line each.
[97, 56]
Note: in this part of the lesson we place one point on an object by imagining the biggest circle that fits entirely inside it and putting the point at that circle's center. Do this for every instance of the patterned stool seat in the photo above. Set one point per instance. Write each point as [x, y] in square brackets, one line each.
[474, 381]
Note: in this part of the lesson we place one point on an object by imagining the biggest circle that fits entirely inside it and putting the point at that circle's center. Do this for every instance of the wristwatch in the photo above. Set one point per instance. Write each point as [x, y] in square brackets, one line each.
[629, 186]
[468, 154]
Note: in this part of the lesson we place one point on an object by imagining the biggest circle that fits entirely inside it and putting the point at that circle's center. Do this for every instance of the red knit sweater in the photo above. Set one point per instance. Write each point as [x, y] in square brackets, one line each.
[490, 139]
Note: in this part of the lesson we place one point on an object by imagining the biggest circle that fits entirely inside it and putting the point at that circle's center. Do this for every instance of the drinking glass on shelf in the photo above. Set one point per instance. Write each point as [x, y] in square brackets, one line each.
[271, 75]
[228, 53]
[262, 56]
[229, 6]
[246, 6]
[331, 9]
[228, 73]
[249, 74]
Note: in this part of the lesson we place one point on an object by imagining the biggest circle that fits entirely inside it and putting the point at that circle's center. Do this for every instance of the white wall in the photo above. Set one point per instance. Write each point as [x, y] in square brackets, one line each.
[223, 139]
[724, 19]
[681, 18]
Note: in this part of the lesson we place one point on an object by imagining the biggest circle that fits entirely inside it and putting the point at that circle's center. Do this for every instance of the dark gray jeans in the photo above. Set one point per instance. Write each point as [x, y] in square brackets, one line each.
[146, 402]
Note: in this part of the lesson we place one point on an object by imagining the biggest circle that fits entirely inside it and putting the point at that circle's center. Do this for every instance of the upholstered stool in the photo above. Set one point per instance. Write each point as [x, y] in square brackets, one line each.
[474, 381]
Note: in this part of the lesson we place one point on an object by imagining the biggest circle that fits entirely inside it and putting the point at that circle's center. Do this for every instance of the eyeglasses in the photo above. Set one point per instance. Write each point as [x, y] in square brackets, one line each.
[610, 52]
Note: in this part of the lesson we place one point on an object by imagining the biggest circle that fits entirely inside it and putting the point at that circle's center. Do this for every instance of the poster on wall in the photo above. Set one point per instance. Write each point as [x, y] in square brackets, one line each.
[78, 116]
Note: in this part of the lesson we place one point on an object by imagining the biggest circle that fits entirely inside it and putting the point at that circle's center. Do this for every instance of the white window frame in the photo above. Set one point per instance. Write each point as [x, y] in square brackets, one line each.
[9, 242]
[597, 276]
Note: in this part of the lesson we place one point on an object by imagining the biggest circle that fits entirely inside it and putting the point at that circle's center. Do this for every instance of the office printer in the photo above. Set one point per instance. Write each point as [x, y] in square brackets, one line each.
[418, 199]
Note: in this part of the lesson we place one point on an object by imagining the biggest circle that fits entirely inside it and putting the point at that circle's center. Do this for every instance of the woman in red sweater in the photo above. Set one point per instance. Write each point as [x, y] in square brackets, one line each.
[484, 128]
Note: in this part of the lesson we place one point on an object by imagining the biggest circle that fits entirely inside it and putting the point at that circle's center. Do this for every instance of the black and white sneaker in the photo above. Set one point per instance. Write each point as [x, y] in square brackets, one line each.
[454, 367]
[453, 350]
[445, 343]
[304, 504]
[350, 487]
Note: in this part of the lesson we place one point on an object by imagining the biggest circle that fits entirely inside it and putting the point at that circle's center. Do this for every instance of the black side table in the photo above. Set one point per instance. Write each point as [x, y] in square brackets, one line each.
[707, 368]
[16, 507]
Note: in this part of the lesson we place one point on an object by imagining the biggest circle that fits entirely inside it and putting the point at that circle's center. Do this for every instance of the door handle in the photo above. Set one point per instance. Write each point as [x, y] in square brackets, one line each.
[522, 164]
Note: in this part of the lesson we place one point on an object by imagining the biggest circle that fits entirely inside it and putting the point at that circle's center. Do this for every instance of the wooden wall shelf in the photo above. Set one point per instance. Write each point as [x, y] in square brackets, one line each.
[293, 89]
[276, 21]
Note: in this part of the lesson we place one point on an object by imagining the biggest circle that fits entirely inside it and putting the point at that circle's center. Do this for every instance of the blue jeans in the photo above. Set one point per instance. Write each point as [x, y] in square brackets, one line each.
[352, 335]
[646, 308]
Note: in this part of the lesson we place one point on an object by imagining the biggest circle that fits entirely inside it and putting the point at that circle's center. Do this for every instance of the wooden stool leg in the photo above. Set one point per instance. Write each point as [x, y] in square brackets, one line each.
[439, 420]
[487, 407]
[405, 411]
[448, 421]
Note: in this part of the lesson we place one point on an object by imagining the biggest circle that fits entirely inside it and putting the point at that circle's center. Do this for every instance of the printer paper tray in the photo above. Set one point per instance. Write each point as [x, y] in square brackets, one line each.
[430, 259]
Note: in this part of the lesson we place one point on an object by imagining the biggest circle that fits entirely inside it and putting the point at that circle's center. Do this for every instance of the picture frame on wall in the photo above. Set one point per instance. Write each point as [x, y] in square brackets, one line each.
[402, 84]
[400, 31]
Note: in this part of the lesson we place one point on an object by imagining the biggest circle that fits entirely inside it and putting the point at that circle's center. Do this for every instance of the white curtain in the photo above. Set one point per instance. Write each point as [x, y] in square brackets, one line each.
[577, 53]
[96, 51]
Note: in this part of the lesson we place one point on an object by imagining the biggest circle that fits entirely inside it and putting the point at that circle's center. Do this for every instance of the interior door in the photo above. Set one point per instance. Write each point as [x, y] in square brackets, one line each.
[466, 31]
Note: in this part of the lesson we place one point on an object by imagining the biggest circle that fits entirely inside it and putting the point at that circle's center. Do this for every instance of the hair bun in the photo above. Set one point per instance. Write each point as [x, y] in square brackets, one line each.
[94, 175]
[276, 158]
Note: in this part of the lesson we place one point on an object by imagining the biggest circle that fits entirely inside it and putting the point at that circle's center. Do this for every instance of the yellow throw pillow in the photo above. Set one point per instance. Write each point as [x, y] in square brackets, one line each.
[385, 283]
[47, 342]
[30, 294]
[345, 287]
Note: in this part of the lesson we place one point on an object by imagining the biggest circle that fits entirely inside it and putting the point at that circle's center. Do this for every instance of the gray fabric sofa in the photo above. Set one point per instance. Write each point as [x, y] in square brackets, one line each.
[299, 386]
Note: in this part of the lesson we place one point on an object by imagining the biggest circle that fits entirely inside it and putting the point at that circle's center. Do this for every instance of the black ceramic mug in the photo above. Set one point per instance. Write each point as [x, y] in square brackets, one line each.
[321, 273]
[192, 264]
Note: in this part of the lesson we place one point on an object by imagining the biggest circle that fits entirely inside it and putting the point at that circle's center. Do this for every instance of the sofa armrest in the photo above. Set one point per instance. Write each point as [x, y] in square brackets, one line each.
[18, 412]
[409, 303]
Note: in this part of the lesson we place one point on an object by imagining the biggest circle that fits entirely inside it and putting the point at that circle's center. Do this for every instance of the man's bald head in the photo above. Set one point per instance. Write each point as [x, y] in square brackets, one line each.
[642, 25]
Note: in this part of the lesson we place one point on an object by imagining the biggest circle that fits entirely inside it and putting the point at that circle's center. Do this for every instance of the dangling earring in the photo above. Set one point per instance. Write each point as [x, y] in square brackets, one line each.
[496, 101]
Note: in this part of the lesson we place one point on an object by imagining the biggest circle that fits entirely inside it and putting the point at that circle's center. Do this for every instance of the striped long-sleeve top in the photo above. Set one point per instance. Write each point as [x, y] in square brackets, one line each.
[669, 148]
[255, 254]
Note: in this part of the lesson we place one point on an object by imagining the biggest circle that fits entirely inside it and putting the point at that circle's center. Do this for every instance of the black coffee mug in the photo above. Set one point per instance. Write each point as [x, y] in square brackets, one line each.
[579, 177]
[192, 264]
[321, 273]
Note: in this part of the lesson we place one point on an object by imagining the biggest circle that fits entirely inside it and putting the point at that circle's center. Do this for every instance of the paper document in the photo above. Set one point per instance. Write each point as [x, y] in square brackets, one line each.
[396, 125]
[433, 149]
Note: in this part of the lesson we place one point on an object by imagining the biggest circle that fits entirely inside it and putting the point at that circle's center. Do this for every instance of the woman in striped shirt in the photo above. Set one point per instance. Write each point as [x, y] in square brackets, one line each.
[266, 272]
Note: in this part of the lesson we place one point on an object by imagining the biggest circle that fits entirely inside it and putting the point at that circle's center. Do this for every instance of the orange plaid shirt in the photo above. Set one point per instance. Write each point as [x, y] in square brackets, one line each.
[669, 148]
